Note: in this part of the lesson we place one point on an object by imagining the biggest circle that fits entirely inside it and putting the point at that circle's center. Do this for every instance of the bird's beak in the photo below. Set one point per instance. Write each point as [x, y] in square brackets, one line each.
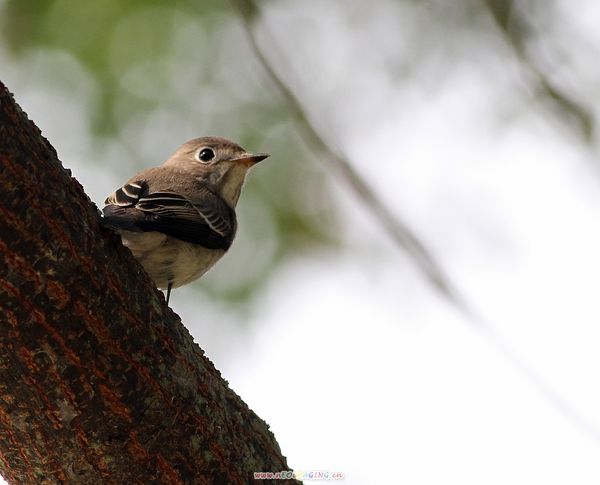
[250, 159]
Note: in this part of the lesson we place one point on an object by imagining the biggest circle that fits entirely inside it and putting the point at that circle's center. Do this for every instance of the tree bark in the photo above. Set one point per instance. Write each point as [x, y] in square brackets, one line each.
[99, 380]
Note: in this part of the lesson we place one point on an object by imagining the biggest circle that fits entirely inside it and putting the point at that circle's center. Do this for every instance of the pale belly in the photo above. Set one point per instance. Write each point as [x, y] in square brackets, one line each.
[168, 259]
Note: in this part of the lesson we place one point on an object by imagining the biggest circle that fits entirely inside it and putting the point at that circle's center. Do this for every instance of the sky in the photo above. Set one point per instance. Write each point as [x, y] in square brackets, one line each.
[357, 364]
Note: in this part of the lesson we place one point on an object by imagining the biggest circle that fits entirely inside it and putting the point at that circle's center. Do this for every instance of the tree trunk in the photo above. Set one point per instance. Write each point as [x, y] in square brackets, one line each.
[99, 380]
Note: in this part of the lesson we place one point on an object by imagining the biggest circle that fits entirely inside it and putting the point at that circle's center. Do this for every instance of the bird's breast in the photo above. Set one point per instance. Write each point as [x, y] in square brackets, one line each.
[167, 259]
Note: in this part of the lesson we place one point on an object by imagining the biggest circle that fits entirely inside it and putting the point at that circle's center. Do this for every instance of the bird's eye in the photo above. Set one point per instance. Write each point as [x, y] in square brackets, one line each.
[206, 155]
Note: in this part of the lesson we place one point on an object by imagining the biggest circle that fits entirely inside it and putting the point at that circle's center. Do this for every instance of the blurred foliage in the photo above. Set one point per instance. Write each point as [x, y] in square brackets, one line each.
[166, 71]
[512, 20]
[184, 67]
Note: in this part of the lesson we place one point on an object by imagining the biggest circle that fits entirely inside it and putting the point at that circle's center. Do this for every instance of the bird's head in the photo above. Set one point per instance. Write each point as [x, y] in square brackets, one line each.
[219, 162]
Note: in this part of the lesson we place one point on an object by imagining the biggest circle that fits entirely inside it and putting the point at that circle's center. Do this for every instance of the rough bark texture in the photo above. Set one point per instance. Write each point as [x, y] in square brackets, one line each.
[99, 380]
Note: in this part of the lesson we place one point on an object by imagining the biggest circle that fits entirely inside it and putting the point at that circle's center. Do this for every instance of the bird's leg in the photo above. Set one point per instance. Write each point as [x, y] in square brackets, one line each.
[169, 291]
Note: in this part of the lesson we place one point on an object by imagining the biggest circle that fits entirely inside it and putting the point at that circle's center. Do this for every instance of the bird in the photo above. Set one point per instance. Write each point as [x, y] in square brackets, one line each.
[179, 219]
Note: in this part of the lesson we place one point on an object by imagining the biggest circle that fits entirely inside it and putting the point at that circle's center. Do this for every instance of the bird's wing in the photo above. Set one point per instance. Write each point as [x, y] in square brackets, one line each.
[207, 221]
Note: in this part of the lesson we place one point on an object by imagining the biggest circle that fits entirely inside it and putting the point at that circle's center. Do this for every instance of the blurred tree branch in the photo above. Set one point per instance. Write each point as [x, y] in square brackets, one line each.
[400, 232]
[338, 162]
[99, 380]
[516, 30]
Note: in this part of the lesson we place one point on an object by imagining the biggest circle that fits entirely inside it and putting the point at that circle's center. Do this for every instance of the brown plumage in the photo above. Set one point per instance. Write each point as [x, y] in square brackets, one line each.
[179, 219]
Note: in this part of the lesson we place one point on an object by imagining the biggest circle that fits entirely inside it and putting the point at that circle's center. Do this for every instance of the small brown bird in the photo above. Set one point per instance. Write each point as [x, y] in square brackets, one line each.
[179, 219]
